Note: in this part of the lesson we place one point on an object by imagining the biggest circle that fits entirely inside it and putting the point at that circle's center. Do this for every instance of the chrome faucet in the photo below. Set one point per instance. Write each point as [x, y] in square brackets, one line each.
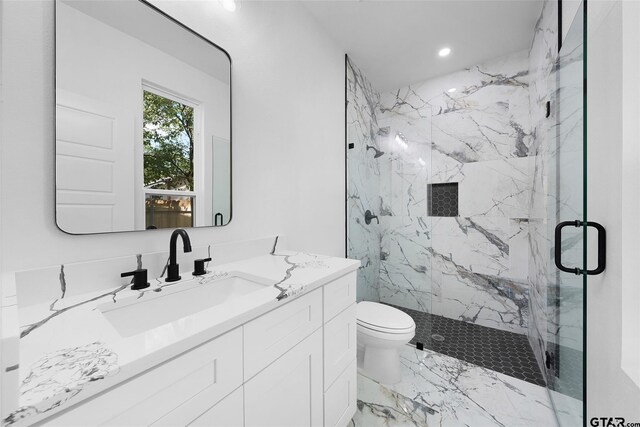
[173, 269]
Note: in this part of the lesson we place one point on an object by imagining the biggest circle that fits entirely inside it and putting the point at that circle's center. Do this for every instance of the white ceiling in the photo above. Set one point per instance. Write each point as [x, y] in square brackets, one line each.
[396, 42]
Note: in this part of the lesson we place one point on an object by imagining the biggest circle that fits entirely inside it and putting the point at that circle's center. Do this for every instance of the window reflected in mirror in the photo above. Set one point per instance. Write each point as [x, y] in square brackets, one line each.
[169, 158]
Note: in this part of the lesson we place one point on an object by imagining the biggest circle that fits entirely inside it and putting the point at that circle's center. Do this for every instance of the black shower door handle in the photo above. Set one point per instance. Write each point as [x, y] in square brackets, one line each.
[602, 247]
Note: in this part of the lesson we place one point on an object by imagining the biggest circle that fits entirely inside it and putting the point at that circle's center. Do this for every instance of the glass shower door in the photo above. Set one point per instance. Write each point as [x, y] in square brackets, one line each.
[566, 230]
[388, 167]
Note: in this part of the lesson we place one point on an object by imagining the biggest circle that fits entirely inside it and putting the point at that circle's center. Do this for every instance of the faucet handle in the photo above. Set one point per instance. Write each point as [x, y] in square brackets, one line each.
[139, 278]
[198, 266]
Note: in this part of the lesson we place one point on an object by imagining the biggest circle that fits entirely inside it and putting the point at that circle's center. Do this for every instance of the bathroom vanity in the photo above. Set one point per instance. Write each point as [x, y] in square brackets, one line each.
[276, 346]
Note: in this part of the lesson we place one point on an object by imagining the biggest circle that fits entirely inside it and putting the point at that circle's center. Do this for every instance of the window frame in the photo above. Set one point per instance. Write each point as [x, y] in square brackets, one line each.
[198, 155]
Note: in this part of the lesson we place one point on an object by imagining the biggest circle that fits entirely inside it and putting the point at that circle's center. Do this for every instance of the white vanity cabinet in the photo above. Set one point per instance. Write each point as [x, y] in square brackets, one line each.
[292, 366]
[340, 350]
[283, 365]
[187, 385]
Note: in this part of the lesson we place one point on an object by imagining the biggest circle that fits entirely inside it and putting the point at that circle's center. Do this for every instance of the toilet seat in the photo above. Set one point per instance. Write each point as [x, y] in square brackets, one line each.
[384, 319]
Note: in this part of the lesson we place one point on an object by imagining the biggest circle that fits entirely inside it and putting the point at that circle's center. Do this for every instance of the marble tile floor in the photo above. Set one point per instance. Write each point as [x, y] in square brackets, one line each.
[438, 390]
[502, 351]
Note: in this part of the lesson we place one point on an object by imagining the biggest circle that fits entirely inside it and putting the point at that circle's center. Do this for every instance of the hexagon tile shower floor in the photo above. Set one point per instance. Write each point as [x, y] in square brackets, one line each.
[505, 352]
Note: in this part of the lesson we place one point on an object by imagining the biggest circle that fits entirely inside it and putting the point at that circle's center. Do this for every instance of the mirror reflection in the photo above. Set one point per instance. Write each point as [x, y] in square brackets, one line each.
[143, 121]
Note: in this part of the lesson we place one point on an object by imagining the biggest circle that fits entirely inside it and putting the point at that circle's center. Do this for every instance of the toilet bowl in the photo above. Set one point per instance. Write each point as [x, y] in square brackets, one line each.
[381, 331]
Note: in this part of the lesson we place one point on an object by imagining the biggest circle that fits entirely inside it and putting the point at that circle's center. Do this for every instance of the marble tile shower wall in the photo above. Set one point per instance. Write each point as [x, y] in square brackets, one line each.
[405, 259]
[363, 185]
[472, 267]
[489, 265]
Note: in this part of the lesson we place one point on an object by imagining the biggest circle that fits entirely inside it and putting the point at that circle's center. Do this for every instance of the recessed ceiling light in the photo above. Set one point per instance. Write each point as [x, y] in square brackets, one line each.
[445, 51]
[229, 5]
[453, 89]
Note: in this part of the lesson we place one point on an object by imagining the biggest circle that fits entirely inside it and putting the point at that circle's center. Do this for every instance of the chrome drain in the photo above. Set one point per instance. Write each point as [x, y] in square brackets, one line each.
[437, 337]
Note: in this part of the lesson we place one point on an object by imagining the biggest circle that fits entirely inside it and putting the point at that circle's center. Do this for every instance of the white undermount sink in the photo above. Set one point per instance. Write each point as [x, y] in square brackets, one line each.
[134, 315]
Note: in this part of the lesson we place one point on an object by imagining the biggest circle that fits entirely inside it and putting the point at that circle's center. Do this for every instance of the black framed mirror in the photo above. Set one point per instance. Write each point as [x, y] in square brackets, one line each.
[143, 121]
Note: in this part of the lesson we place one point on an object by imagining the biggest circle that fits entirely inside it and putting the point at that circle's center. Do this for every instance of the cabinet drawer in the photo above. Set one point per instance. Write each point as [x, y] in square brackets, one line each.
[341, 398]
[191, 411]
[229, 412]
[339, 344]
[270, 336]
[339, 294]
[212, 370]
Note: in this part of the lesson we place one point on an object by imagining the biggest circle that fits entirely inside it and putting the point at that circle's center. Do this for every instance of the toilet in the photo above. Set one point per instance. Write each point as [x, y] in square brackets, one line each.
[381, 331]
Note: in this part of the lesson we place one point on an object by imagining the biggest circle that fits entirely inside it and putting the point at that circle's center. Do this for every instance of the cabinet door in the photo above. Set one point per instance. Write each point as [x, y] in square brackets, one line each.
[338, 295]
[340, 399]
[339, 344]
[288, 393]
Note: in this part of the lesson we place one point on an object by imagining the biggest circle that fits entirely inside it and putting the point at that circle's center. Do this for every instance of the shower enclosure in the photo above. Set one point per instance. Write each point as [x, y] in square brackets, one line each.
[455, 186]
[567, 192]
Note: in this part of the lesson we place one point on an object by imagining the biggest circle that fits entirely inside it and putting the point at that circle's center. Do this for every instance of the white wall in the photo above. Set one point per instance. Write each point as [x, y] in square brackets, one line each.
[2, 355]
[610, 392]
[288, 134]
[630, 190]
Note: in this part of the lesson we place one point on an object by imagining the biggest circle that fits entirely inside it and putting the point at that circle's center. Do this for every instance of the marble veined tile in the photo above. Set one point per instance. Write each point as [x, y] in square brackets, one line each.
[396, 289]
[499, 188]
[438, 390]
[486, 245]
[405, 265]
[519, 249]
[480, 244]
[568, 409]
[407, 242]
[364, 162]
[486, 300]
[380, 406]
[485, 118]
[404, 172]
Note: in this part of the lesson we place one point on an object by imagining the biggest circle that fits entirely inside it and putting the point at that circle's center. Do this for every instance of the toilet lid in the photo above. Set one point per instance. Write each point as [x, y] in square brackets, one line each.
[382, 317]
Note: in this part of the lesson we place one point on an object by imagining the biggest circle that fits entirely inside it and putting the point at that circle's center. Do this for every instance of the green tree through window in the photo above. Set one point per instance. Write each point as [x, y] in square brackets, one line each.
[168, 144]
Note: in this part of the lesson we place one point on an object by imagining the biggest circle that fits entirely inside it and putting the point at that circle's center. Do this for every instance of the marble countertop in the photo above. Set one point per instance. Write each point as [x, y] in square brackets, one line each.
[69, 351]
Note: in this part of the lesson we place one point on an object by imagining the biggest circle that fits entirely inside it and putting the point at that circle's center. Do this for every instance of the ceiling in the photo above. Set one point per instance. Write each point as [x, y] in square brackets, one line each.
[396, 43]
